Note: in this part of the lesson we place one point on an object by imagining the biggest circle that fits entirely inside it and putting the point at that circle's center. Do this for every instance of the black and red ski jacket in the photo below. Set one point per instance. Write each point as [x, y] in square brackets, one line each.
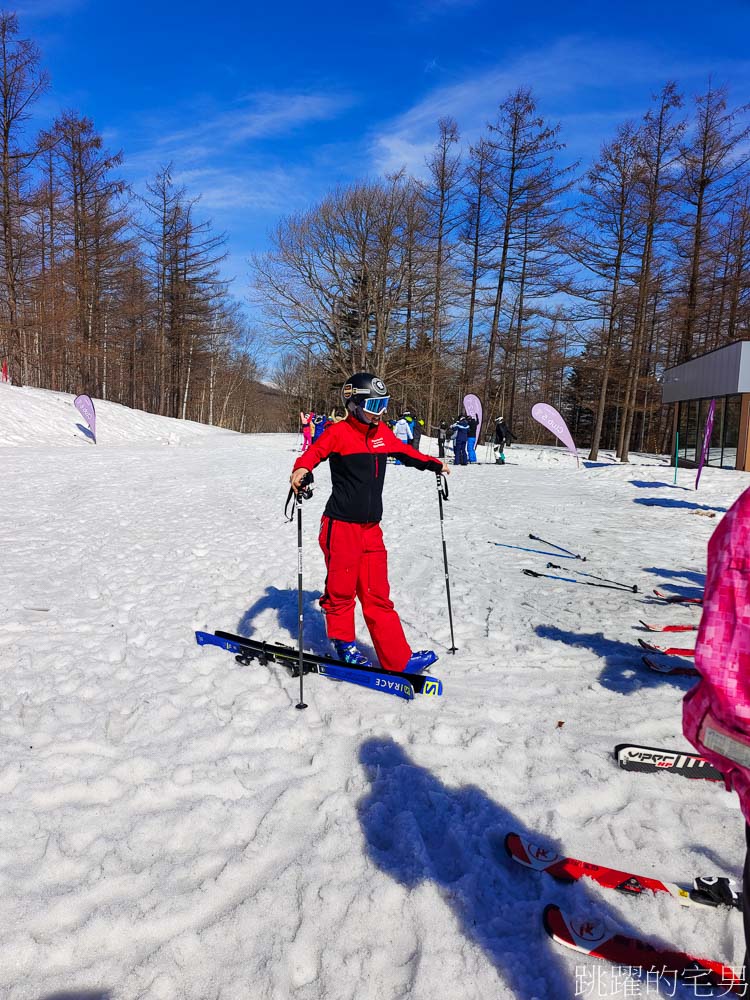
[358, 454]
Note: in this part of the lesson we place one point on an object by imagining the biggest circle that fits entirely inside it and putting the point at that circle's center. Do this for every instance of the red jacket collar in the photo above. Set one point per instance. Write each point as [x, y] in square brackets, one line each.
[359, 426]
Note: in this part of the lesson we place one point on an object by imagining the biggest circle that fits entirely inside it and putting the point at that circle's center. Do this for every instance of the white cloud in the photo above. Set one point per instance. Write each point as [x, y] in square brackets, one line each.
[258, 116]
[273, 190]
[565, 75]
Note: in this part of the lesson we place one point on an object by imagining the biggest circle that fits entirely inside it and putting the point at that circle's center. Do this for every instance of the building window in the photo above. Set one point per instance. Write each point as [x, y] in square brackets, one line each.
[691, 431]
[714, 447]
[731, 432]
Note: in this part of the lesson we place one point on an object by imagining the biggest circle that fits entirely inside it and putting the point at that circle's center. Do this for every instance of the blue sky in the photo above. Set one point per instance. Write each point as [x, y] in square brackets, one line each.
[264, 107]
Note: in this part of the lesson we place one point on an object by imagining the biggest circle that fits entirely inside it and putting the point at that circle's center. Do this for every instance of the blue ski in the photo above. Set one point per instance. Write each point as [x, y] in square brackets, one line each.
[402, 685]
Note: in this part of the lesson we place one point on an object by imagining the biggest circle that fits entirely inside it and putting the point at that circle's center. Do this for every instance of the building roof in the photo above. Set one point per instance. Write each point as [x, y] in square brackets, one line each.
[723, 372]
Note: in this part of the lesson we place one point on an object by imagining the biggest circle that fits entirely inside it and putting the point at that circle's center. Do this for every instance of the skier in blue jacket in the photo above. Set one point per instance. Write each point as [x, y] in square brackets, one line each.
[461, 428]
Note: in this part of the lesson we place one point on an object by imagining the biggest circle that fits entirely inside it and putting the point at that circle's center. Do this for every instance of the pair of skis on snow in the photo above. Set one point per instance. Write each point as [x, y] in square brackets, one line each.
[593, 937]
[670, 669]
[402, 685]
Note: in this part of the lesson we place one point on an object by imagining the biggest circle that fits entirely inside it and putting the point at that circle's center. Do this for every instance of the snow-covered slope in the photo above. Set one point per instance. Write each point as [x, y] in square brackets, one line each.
[37, 416]
[172, 829]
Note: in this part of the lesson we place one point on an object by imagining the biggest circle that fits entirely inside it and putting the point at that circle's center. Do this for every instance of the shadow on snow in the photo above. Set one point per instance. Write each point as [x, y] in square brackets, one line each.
[538, 552]
[284, 603]
[681, 504]
[418, 830]
[690, 576]
[86, 432]
[647, 484]
[81, 995]
[623, 671]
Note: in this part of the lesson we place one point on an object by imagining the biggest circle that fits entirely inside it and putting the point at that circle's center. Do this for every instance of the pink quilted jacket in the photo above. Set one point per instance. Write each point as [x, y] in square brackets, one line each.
[716, 712]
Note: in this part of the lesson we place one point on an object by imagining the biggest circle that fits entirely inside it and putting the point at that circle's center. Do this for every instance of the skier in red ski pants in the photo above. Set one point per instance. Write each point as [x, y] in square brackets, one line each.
[350, 534]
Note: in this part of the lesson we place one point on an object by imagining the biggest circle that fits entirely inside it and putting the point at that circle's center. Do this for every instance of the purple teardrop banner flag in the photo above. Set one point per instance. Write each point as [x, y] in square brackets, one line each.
[706, 440]
[85, 406]
[473, 408]
[548, 417]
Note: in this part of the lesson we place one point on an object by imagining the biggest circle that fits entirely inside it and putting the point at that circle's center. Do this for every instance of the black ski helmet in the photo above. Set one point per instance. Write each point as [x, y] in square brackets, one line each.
[364, 388]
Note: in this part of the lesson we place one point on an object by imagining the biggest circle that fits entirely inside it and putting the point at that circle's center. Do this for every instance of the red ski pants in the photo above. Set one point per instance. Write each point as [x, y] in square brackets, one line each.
[357, 565]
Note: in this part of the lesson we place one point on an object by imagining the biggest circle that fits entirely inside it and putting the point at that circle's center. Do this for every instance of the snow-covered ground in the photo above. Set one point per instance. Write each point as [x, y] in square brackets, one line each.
[170, 826]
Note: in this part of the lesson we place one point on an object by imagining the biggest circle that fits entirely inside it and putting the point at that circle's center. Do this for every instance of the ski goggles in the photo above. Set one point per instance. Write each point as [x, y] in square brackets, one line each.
[376, 405]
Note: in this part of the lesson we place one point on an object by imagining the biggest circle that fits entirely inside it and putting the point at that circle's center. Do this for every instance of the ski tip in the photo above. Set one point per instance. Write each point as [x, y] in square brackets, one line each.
[580, 934]
[558, 926]
[511, 839]
[551, 919]
[431, 686]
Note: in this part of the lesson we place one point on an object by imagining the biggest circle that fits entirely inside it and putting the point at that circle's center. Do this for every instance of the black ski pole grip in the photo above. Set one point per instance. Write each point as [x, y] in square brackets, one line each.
[306, 485]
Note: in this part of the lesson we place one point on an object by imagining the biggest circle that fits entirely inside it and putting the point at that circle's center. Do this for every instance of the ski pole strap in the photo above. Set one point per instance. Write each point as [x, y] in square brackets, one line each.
[442, 484]
[290, 498]
[305, 493]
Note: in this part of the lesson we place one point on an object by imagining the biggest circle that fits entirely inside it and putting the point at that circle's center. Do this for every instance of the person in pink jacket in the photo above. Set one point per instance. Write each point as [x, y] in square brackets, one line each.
[306, 420]
[716, 712]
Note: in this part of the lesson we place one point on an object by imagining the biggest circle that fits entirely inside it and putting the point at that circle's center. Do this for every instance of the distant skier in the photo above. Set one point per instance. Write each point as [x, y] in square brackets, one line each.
[716, 712]
[402, 430]
[350, 533]
[414, 427]
[503, 435]
[306, 421]
[472, 439]
[461, 428]
[319, 425]
[417, 430]
[442, 435]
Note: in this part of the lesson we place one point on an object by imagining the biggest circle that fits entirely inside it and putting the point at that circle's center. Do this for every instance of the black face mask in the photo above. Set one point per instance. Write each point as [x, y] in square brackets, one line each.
[362, 415]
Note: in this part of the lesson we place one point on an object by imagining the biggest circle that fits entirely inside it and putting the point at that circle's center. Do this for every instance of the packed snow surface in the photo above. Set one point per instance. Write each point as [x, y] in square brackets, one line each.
[170, 826]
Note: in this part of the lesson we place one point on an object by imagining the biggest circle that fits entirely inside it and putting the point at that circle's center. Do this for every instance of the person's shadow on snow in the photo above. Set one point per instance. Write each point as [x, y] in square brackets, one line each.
[624, 670]
[285, 604]
[417, 829]
[690, 576]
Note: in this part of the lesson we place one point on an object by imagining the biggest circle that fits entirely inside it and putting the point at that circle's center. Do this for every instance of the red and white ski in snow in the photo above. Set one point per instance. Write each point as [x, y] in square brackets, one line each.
[593, 937]
[669, 628]
[652, 760]
[676, 598]
[669, 651]
[544, 859]
[670, 669]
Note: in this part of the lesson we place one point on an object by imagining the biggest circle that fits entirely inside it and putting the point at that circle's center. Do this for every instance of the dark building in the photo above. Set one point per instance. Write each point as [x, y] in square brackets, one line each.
[723, 375]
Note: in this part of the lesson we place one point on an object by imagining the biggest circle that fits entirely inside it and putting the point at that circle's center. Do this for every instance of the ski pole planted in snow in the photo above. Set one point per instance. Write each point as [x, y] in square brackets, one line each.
[578, 572]
[573, 555]
[304, 493]
[442, 491]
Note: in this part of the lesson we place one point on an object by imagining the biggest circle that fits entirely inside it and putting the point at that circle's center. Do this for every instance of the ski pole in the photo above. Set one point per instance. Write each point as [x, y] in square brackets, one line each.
[570, 579]
[626, 586]
[575, 555]
[303, 493]
[442, 492]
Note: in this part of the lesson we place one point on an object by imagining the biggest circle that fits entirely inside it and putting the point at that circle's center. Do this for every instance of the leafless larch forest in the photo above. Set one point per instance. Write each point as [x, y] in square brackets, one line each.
[502, 269]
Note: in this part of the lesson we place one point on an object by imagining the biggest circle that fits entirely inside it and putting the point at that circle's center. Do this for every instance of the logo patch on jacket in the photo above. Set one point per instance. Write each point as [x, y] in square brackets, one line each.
[378, 443]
